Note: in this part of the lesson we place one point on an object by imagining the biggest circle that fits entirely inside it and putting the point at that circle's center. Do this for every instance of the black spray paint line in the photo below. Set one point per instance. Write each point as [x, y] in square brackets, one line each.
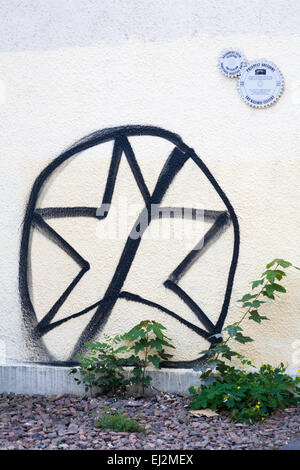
[59, 212]
[51, 326]
[29, 315]
[136, 170]
[54, 236]
[157, 212]
[202, 317]
[137, 298]
[160, 212]
[44, 326]
[236, 243]
[172, 166]
[211, 235]
[101, 212]
[104, 307]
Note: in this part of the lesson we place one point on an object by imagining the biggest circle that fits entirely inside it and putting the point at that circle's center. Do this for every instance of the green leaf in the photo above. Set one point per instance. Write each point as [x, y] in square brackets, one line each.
[272, 274]
[155, 360]
[278, 287]
[166, 343]
[232, 330]
[134, 334]
[157, 330]
[247, 297]
[212, 351]
[145, 381]
[257, 283]
[283, 263]
[159, 325]
[229, 354]
[255, 316]
[268, 291]
[121, 349]
[243, 339]
[137, 347]
[165, 356]
[156, 344]
[257, 303]
[269, 265]
[254, 304]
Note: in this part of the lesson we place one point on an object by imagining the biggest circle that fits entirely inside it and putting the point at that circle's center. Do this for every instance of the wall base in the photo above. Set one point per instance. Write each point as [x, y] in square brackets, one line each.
[35, 379]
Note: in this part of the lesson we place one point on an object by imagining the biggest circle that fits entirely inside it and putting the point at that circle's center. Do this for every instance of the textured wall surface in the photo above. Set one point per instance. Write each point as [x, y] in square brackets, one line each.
[61, 80]
[38, 25]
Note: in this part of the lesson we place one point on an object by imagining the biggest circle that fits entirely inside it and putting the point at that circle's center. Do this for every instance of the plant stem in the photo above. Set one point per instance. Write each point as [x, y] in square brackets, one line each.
[145, 361]
[248, 310]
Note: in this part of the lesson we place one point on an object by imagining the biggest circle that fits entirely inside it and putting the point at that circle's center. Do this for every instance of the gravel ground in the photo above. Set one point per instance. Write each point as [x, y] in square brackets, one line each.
[66, 422]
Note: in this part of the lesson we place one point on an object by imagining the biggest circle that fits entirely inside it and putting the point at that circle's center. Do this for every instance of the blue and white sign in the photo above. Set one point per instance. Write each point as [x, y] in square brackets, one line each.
[231, 62]
[260, 83]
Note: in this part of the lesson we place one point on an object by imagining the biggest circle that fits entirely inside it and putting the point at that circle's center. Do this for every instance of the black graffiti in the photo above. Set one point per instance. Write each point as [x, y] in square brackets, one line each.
[36, 218]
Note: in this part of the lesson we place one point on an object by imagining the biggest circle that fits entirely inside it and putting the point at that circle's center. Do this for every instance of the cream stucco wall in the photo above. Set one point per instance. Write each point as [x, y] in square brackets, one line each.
[51, 98]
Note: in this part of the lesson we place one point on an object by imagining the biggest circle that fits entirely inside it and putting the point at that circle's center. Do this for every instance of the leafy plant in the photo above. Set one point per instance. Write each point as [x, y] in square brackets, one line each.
[103, 367]
[149, 342]
[115, 421]
[247, 396]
